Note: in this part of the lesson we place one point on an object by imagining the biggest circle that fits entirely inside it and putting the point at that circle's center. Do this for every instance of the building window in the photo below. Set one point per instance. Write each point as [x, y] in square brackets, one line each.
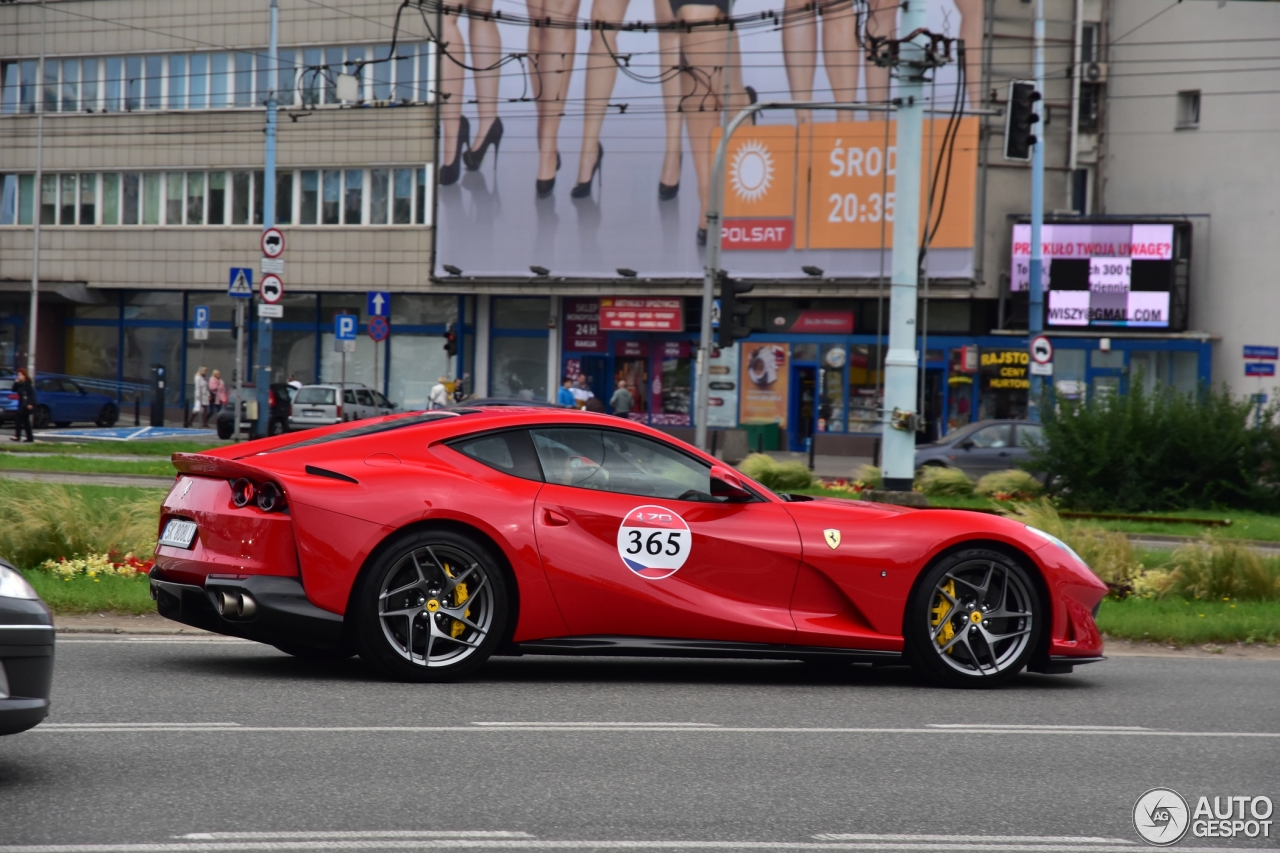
[173, 199]
[67, 209]
[197, 97]
[352, 198]
[195, 198]
[111, 199]
[332, 200]
[309, 202]
[114, 79]
[89, 70]
[150, 198]
[1090, 104]
[379, 198]
[131, 198]
[132, 83]
[1188, 110]
[217, 198]
[178, 82]
[284, 198]
[88, 199]
[239, 198]
[402, 205]
[70, 85]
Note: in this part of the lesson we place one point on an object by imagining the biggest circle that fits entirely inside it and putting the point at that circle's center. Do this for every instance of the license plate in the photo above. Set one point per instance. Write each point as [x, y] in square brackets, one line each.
[179, 533]
[312, 413]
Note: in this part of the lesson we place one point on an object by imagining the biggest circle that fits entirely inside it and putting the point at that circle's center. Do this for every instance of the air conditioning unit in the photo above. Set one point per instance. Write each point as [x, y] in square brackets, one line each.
[1095, 72]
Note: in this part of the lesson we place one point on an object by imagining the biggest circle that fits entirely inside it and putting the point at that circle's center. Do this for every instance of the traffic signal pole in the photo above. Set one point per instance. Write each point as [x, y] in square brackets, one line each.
[268, 217]
[1035, 288]
[901, 364]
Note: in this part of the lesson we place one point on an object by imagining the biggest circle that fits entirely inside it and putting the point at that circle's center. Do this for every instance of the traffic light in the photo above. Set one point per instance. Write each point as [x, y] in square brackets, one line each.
[733, 312]
[450, 340]
[1020, 119]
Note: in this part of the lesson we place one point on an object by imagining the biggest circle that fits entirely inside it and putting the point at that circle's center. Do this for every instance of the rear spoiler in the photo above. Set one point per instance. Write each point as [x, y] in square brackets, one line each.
[203, 465]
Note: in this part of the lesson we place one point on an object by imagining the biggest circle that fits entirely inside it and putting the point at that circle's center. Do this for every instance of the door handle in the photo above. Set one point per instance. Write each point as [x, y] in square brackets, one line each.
[551, 518]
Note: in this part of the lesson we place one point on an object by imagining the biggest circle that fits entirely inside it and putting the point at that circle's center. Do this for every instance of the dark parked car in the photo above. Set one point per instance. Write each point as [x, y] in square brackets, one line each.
[280, 396]
[26, 653]
[982, 447]
[60, 402]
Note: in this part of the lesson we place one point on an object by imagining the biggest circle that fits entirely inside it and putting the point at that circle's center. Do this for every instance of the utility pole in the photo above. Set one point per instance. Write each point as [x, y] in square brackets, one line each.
[898, 443]
[35, 220]
[1035, 289]
[268, 216]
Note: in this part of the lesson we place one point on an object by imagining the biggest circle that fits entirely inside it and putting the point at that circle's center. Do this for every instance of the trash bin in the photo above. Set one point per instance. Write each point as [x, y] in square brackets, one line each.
[762, 437]
[157, 395]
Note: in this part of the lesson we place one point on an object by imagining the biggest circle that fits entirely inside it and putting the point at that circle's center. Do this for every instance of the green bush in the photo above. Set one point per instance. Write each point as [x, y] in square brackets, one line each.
[869, 475]
[41, 522]
[1159, 451]
[936, 480]
[1218, 569]
[1011, 482]
[779, 476]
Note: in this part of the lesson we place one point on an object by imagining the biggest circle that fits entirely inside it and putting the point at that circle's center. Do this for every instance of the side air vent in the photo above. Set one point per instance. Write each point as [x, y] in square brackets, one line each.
[332, 475]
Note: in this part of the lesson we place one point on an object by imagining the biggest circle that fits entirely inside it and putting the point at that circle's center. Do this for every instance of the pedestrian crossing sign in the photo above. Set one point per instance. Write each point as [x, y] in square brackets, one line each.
[240, 283]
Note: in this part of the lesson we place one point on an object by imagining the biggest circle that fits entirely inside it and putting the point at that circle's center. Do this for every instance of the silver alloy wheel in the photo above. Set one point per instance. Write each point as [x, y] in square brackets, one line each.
[436, 606]
[980, 618]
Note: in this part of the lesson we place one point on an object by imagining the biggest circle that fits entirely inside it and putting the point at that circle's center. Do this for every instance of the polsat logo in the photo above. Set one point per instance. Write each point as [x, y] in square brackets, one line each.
[760, 209]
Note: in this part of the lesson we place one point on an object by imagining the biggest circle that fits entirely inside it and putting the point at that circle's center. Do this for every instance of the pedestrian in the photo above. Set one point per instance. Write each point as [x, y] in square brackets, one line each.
[565, 395]
[200, 408]
[217, 394]
[593, 404]
[581, 392]
[26, 393]
[439, 393]
[621, 401]
[294, 382]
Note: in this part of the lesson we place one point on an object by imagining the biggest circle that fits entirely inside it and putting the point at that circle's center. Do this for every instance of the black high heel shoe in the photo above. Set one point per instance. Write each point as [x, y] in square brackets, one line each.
[583, 190]
[450, 173]
[666, 192]
[475, 158]
[544, 188]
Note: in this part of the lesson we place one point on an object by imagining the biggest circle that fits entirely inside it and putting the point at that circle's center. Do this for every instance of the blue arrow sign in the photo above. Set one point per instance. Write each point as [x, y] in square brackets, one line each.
[202, 317]
[344, 327]
[379, 303]
[240, 283]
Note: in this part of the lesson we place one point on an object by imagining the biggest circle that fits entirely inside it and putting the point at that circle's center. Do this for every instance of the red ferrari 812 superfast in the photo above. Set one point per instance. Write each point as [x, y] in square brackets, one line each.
[427, 542]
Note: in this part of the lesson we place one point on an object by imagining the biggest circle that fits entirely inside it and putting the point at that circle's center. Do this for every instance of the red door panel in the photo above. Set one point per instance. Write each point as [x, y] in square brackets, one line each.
[734, 583]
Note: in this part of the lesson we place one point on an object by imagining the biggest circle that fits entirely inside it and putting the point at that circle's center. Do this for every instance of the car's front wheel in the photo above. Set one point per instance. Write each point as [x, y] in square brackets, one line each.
[431, 607]
[974, 619]
[108, 415]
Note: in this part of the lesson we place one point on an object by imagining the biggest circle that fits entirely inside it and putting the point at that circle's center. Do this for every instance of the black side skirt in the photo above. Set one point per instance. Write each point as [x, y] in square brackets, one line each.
[662, 648]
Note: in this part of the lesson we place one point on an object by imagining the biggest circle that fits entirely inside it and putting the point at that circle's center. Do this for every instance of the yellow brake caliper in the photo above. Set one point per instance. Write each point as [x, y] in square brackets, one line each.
[459, 596]
[941, 610]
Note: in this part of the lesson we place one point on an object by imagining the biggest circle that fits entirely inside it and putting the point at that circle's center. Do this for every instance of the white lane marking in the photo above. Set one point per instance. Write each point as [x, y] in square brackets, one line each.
[1031, 727]
[454, 843]
[390, 833]
[626, 727]
[603, 723]
[80, 639]
[74, 726]
[981, 839]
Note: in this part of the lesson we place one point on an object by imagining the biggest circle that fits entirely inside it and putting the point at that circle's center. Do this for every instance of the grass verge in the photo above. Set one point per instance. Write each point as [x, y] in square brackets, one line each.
[160, 467]
[112, 448]
[83, 594]
[1182, 622]
[46, 521]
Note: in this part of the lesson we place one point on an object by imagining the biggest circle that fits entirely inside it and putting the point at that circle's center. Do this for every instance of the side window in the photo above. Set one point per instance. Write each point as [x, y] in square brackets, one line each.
[613, 461]
[348, 397]
[365, 398]
[381, 400]
[1000, 435]
[510, 452]
[48, 385]
[1029, 435]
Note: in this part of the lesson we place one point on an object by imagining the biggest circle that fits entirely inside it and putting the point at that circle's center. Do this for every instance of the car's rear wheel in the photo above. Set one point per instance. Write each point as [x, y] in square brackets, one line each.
[973, 620]
[224, 429]
[432, 607]
[108, 415]
[41, 417]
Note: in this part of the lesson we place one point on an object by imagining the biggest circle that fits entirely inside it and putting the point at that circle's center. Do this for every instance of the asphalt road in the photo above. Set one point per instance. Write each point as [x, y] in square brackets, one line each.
[190, 745]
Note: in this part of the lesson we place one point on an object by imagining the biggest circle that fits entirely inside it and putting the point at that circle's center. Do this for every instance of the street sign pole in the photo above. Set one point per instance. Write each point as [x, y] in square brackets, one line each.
[268, 215]
[239, 367]
[1035, 289]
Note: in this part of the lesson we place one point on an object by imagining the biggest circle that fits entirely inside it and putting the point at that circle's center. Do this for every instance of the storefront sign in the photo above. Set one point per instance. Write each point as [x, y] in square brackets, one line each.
[582, 330]
[1005, 370]
[631, 349]
[813, 322]
[642, 315]
[765, 378]
[722, 401]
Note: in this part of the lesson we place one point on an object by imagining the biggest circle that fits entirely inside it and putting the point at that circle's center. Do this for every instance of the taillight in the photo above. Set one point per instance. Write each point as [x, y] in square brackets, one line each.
[268, 496]
[271, 399]
[339, 411]
[13, 397]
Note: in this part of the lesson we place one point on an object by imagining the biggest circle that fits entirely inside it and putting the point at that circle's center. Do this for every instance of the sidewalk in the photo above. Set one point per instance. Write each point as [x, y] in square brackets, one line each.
[830, 467]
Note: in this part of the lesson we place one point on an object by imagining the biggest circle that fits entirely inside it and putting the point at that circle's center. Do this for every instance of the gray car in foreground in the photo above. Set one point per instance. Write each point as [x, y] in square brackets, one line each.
[982, 447]
[26, 653]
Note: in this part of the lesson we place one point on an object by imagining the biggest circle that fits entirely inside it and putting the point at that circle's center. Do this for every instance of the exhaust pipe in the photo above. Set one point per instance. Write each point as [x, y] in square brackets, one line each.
[236, 605]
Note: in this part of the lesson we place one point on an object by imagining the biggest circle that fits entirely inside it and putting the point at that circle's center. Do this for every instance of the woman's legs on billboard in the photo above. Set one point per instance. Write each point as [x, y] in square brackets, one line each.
[669, 61]
[551, 54]
[452, 135]
[602, 73]
[704, 52]
[486, 52]
[799, 51]
[840, 52]
[971, 32]
[882, 19]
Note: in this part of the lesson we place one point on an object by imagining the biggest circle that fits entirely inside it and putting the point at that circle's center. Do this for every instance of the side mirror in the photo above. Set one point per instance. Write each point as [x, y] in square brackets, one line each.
[725, 484]
[967, 444]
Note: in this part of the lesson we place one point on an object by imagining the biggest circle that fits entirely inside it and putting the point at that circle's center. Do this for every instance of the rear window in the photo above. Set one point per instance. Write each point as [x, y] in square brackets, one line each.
[315, 396]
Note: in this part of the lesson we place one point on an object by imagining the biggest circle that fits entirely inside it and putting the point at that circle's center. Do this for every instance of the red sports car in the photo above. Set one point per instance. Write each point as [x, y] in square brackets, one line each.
[427, 542]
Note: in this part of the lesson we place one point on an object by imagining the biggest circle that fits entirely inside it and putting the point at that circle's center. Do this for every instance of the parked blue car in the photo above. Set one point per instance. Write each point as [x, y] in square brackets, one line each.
[60, 402]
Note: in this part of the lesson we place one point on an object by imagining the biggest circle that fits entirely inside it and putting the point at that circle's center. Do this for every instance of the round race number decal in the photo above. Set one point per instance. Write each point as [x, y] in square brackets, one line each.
[654, 542]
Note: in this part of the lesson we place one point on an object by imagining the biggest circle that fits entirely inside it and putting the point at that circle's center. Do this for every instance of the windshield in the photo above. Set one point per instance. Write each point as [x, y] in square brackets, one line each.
[961, 433]
[315, 396]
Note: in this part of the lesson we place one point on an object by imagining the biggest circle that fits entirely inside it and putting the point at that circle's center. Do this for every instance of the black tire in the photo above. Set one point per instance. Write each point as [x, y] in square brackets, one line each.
[427, 596]
[41, 417]
[313, 654]
[62, 424]
[224, 429]
[978, 638]
[108, 415]
[275, 427]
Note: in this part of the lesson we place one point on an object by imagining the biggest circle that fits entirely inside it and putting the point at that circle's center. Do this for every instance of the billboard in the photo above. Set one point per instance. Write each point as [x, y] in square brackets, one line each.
[1103, 274]
[571, 151]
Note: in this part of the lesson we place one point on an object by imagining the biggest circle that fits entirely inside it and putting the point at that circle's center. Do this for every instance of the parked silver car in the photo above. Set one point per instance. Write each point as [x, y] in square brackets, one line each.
[982, 447]
[322, 405]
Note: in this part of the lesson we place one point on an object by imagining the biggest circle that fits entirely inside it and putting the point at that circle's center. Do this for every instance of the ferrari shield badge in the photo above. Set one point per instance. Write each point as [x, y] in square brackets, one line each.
[832, 536]
[654, 542]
